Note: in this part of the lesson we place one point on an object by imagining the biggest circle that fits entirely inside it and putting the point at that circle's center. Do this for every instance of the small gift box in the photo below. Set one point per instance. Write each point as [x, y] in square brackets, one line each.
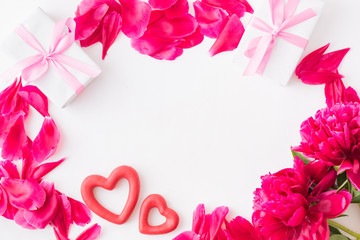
[276, 37]
[44, 54]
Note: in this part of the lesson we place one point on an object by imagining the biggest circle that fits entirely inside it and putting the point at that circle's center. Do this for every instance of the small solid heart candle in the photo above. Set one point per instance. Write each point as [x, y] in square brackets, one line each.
[157, 201]
[87, 192]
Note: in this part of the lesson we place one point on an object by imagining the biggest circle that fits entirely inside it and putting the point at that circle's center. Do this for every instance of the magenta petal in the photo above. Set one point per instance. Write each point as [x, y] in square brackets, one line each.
[346, 165]
[15, 141]
[43, 169]
[179, 9]
[168, 53]
[111, 29]
[334, 92]
[211, 19]
[24, 194]
[20, 220]
[162, 4]
[35, 98]
[62, 219]
[87, 23]
[332, 203]
[46, 142]
[230, 37]
[311, 60]
[135, 17]
[151, 45]
[216, 220]
[198, 218]
[9, 170]
[231, 6]
[91, 233]
[41, 218]
[3, 201]
[326, 182]
[350, 95]
[8, 97]
[187, 236]
[80, 213]
[316, 78]
[332, 60]
[194, 39]
[241, 229]
[354, 178]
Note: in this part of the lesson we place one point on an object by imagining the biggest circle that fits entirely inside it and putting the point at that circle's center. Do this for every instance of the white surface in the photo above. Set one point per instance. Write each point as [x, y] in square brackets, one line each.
[195, 131]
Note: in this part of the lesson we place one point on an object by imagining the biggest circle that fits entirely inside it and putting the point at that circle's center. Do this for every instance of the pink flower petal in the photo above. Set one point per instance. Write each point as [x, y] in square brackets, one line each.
[212, 20]
[15, 141]
[91, 233]
[179, 9]
[8, 97]
[332, 203]
[311, 60]
[195, 39]
[198, 218]
[111, 29]
[43, 169]
[24, 194]
[229, 38]
[46, 142]
[20, 220]
[151, 45]
[135, 17]
[87, 23]
[80, 213]
[188, 236]
[62, 220]
[162, 4]
[9, 170]
[334, 92]
[217, 219]
[3, 201]
[354, 178]
[241, 229]
[350, 95]
[35, 98]
[231, 6]
[41, 218]
[316, 78]
[332, 60]
[168, 53]
[346, 165]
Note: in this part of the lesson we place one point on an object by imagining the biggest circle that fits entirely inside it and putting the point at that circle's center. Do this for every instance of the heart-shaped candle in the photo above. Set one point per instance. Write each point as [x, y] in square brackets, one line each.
[157, 201]
[87, 192]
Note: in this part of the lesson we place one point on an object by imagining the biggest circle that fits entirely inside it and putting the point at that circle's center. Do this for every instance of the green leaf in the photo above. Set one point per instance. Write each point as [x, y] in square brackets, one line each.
[338, 237]
[341, 178]
[299, 155]
[333, 230]
[355, 199]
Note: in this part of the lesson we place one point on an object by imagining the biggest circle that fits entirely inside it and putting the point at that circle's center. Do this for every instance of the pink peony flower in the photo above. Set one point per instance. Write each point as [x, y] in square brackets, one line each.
[102, 21]
[171, 29]
[241, 229]
[206, 226]
[333, 137]
[319, 68]
[221, 20]
[286, 206]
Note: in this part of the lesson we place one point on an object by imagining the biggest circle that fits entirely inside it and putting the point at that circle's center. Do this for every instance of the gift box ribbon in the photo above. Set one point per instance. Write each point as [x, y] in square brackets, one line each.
[34, 67]
[283, 17]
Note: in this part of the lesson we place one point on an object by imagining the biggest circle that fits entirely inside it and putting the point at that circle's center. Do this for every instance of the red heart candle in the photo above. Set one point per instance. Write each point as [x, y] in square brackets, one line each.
[87, 192]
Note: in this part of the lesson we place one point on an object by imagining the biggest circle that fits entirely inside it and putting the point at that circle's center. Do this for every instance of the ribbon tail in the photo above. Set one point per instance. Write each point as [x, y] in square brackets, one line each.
[78, 65]
[294, 39]
[251, 48]
[68, 77]
[257, 58]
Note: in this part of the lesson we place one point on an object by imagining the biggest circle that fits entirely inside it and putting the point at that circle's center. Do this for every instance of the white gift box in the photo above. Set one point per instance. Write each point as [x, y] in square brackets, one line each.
[284, 56]
[58, 91]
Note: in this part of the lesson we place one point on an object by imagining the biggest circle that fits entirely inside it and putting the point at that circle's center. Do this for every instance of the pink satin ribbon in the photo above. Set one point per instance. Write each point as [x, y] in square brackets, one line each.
[34, 67]
[282, 15]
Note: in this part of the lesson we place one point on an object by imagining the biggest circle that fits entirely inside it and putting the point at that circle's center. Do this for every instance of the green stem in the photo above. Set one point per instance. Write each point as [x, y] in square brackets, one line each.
[345, 229]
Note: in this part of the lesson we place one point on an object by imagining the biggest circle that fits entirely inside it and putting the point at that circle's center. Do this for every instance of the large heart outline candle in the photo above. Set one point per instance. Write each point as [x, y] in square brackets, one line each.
[89, 183]
[157, 201]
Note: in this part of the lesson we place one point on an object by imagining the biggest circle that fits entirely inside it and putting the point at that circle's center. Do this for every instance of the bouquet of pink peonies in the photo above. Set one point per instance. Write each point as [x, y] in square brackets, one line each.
[299, 202]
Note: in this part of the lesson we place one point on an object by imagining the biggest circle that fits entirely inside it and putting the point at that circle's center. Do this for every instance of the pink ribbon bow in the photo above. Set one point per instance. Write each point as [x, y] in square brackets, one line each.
[282, 15]
[34, 67]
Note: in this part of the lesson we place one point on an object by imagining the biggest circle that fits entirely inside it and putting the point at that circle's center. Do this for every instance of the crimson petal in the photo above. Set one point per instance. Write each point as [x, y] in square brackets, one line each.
[216, 220]
[168, 53]
[230, 37]
[310, 61]
[24, 194]
[135, 17]
[8, 169]
[332, 203]
[162, 4]
[350, 95]
[332, 60]
[8, 97]
[3, 201]
[80, 213]
[35, 98]
[41, 218]
[87, 23]
[46, 142]
[179, 9]
[241, 229]
[15, 141]
[317, 78]
[188, 235]
[62, 220]
[91, 233]
[194, 39]
[334, 92]
[111, 29]
[231, 6]
[40, 171]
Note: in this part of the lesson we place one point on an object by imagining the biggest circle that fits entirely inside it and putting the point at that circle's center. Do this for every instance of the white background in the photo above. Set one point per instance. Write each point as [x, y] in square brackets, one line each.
[194, 129]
